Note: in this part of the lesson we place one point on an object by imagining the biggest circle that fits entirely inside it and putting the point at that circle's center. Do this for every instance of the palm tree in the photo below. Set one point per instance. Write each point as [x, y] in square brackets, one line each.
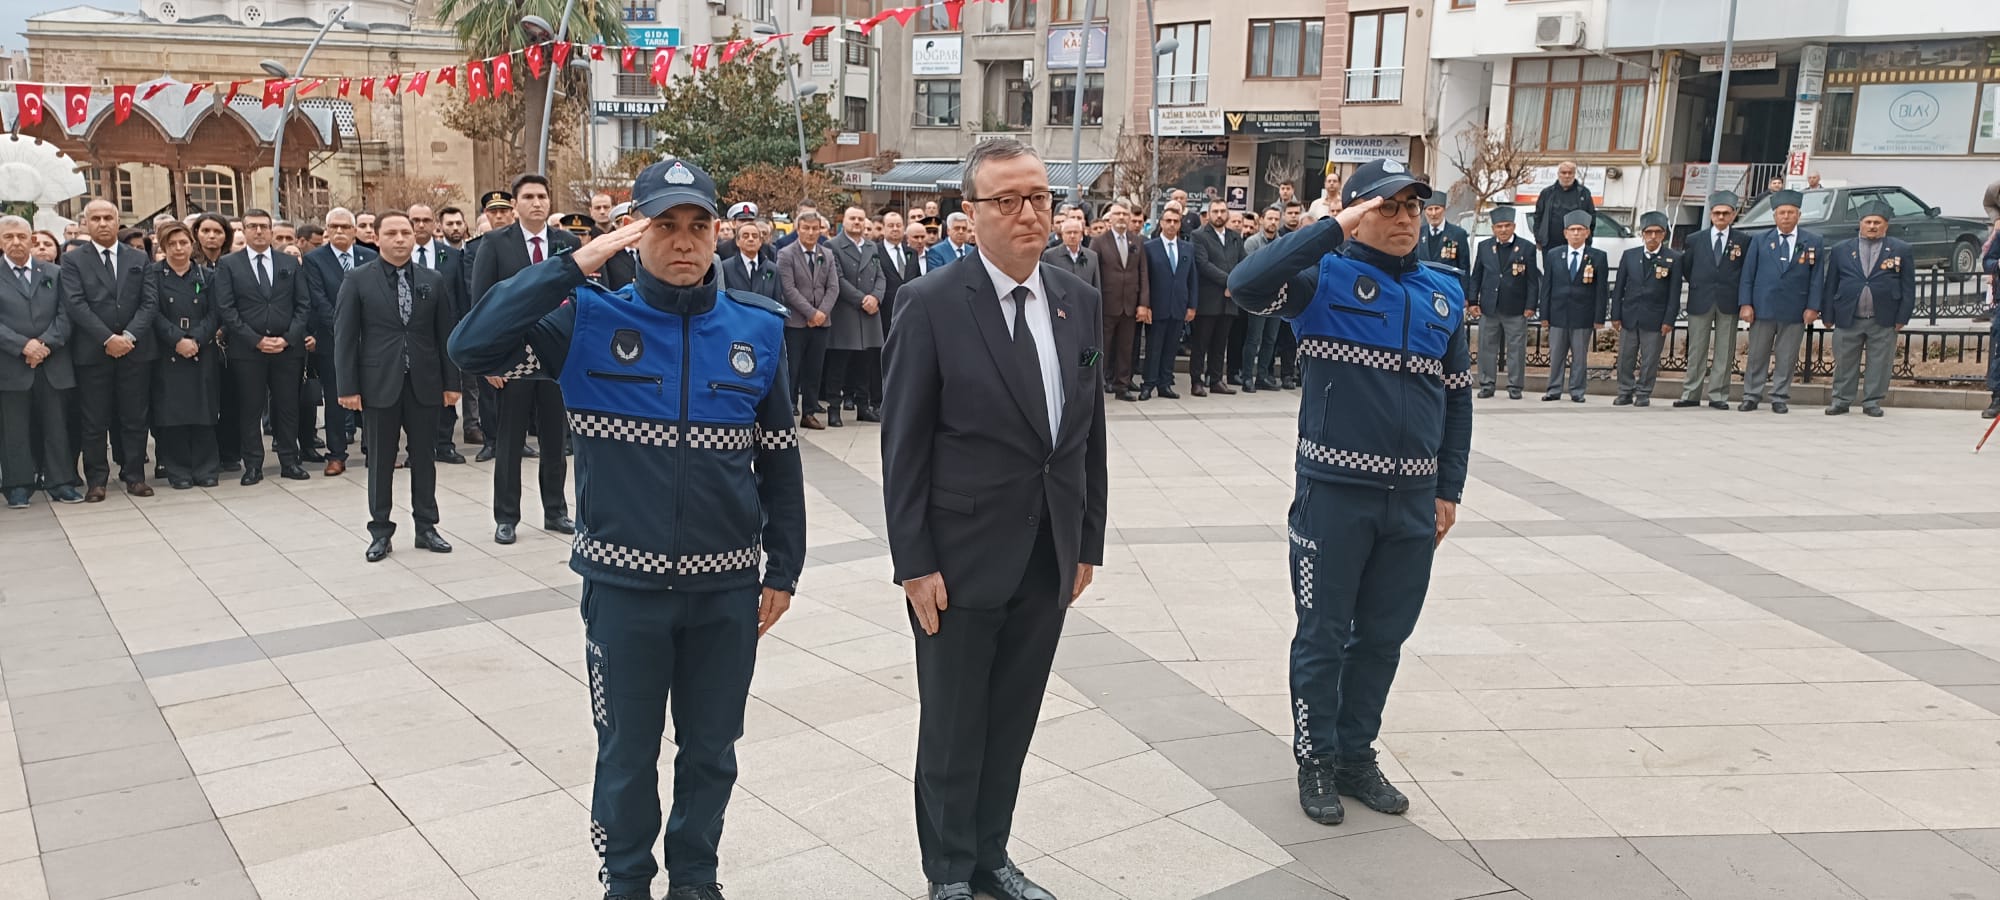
[492, 27]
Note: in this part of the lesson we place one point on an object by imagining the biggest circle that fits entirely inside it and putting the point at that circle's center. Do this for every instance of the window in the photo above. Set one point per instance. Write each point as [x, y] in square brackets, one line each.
[856, 45]
[113, 184]
[1184, 72]
[1903, 207]
[937, 102]
[1464, 4]
[1062, 98]
[1072, 10]
[642, 10]
[636, 136]
[1836, 121]
[211, 191]
[1582, 104]
[856, 118]
[934, 18]
[1020, 103]
[1021, 15]
[1375, 57]
[636, 84]
[1286, 48]
[822, 50]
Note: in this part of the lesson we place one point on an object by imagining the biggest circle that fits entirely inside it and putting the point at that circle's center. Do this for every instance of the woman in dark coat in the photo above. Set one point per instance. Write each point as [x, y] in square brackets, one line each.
[212, 238]
[188, 381]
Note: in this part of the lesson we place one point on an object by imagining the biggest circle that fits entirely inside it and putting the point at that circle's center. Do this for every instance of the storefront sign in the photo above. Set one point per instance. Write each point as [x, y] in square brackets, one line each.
[1188, 121]
[936, 55]
[1913, 119]
[653, 37]
[1805, 126]
[1283, 123]
[628, 109]
[1741, 61]
[857, 178]
[1543, 176]
[1065, 43]
[1695, 186]
[1812, 71]
[1360, 148]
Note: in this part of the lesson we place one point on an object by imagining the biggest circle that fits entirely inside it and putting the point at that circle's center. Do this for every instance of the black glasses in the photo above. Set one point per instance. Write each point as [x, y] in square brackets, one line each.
[1391, 208]
[1010, 204]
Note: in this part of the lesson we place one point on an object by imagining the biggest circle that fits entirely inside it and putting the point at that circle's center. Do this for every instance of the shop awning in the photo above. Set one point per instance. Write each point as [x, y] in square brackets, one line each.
[1059, 172]
[920, 175]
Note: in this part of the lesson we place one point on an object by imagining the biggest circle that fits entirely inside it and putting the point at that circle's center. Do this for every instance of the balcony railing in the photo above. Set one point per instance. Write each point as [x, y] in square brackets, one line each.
[1375, 85]
[1183, 90]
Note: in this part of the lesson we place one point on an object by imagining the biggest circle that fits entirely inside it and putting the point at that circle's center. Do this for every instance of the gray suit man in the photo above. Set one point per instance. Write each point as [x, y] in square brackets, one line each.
[809, 280]
[1073, 257]
[854, 349]
[35, 373]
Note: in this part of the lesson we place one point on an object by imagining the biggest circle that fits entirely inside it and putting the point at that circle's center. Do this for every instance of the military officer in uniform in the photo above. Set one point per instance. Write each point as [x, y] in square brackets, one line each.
[687, 478]
[1643, 309]
[1780, 296]
[1443, 242]
[1712, 265]
[1871, 287]
[1507, 289]
[1573, 298]
[1385, 433]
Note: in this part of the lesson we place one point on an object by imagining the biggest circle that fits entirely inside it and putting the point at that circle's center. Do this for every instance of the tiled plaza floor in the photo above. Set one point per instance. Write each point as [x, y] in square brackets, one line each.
[1667, 654]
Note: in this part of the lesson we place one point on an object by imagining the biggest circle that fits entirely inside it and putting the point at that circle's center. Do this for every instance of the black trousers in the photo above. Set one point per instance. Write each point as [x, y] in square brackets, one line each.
[1288, 351]
[536, 400]
[269, 378]
[1207, 348]
[1163, 340]
[382, 428]
[805, 358]
[228, 434]
[34, 437]
[114, 398]
[337, 418]
[979, 684]
[187, 452]
[1238, 328]
[448, 416]
[853, 373]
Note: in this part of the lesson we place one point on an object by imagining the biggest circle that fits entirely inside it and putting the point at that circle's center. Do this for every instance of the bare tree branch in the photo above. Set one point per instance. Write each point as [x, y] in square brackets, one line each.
[1493, 162]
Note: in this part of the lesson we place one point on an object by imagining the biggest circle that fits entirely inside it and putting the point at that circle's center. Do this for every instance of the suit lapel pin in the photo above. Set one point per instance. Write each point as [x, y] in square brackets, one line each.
[1062, 313]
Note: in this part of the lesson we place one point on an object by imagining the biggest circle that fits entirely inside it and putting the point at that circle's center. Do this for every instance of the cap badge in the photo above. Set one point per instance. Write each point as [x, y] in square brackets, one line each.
[1392, 167]
[679, 174]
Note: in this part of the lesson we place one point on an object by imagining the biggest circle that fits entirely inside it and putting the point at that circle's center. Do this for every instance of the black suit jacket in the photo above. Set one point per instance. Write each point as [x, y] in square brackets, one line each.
[969, 467]
[737, 278]
[1577, 302]
[1214, 258]
[1713, 282]
[33, 313]
[323, 277]
[619, 270]
[1892, 283]
[450, 264]
[250, 313]
[98, 308]
[370, 338]
[893, 278]
[504, 252]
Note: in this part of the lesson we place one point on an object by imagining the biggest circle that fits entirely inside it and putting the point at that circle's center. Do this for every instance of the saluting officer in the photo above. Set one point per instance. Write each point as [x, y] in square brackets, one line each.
[1385, 431]
[1713, 268]
[687, 476]
[1507, 288]
[1573, 299]
[1780, 296]
[1871, 287]
[1643, 309]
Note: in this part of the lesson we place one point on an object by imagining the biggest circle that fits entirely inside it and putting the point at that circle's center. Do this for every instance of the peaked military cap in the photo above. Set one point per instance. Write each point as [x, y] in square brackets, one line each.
[496, 200]
[577, 224]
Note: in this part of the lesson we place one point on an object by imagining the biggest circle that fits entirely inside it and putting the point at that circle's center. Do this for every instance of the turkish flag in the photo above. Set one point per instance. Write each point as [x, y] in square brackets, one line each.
[953, 9]
[596, 52]
[562, 55]
[76, 104]
[626, 57]
[448, 75]
[274, 91]
[815, 33]
[903, 15]
[663, 63]
[154, 90]
[475, 80]
[534, 54]
[768, 41]
[869, 24]
[310, 85]
[345, 84]
[28, 104]
[417, 81]
[367, 88]
[194, 91]
[698, 57]
[235, 87]
[121, 103]
[503, 74]
[730, 50]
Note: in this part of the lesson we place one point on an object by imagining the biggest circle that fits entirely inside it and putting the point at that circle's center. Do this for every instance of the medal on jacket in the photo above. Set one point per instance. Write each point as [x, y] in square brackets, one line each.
[1450, 251]
[1589, 273]
[1520, 268]
[1892, 264]
[1661, 271]
[1808, 256]
[1735, 251]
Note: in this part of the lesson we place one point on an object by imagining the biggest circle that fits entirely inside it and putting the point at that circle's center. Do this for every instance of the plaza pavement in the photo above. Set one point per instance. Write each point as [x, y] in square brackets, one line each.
[1668, 654]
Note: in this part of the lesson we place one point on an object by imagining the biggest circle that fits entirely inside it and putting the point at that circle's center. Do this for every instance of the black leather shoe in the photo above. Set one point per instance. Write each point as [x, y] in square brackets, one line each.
[1642, 402]
[833, 417]
[1549, 398]
[709, 891]
[560, 525]
[1290, 384]
[957, 890]
[1873, 412]
[485, 453]
[378, 549]
[429, 539]
[1576, 399]
[1167, 391]
[1129, 397]
[179, 485]
[1719, 404]
[1146, 393]
[311, 456]
[1485, 393]
[1836, 410]
[1992, 410]
[869, 414]
[1747, 406]
[1249, 387]
[1780, 407]
[503, 534]
[1319, 798]
[294, 472]
[204, 482]
[252, 476]
[1622, 400]
[1007, 883]
[1513, 393]
[1364, 782]
[1685, 404]
[1267, 384]
[449, 456]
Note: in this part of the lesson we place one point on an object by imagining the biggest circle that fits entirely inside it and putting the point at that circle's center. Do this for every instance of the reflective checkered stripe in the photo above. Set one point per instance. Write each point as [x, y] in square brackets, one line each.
[1424, 365]
[1277, 304]
[720, 437]
[529, 364]
[622, 557]
[1305, 560]
[1457, 381]
[778, 440]
[1366, 462]
[660, 434]
[599, 841]
[1342, 351]
[1301, 733]
[600, 706]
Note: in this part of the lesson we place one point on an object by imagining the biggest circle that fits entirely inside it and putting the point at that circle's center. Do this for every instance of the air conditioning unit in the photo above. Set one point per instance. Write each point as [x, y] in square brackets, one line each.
[1560, 31]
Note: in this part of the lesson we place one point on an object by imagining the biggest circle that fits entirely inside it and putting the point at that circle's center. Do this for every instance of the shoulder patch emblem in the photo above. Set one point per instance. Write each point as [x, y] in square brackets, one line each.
[1366, 290]
[1439, 303]
[627, 346]
[742, 358]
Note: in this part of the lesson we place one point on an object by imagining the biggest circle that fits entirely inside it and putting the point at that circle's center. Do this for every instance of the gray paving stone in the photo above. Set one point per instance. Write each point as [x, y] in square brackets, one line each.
[507, 606]
[1879, 637]
[1576, 869]
[227, 652]
[1399, 863]
[83, 736]
[1983, 843]
[1239, 534]
[1761, 583]
[1464, 848]
[1986, 696]
[1127, 681]
[1276, 884]
[1741, 867]
[54, 679]
[127, 865]
[1098, 649]
[221, 886]
[1181, 534]
[1273, 806]
[422, 619]
[1230, 760]
[110, 770]
[1901, 865]
[1820, 608]
[847, 551]
[56, 653]
[1177, 717]
[1944, 668]
[293, 641]
[84, 703]
[122, 813]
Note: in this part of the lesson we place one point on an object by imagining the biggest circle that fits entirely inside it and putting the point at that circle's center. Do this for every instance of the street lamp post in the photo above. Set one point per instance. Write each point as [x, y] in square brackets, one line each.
[1076, 104]
[277, 70]
[1160, 49]
[798, 95]
[538, 31]
[1722, 102]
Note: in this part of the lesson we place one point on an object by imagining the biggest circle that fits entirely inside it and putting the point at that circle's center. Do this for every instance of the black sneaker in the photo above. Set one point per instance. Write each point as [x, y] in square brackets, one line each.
[709, 891]
[628, 895]
[1364, 782]
[1007, 883]
[1319, 795]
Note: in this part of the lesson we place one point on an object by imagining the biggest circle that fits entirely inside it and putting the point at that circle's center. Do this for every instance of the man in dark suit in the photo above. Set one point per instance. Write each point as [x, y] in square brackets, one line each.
[1557, 201]
[1169, 303]
[897, 264]
[1122, 271]
[1574, 293]
[751, 269]
[1779, 297]
[325, 268]
[497, 207]
[810, 286]
[996, 509]
[261, 296]
[501, 254]
[1712, 264]
[854, 348]
[103, 286]
[1507, 288]
[917, 240]
[1217, 250]
[1643, 309]
[1443, 242]
[1070, 254]
[35, 373]
[391, 323]
[437, 255]
[1871, 287]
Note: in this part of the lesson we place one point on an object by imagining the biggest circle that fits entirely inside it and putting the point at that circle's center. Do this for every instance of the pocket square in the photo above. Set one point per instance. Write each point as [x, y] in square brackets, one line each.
[1089, 358]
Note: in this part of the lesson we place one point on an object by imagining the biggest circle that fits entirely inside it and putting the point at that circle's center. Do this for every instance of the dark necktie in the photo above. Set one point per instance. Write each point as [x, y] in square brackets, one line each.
[27, 279]
[1025, 354]
[961, 251]
[535, 253]
[263, 273]
[346, 262]
[1785, 246]
[424, 257]
[1719, 242]
[110, 268]
[1575, 258]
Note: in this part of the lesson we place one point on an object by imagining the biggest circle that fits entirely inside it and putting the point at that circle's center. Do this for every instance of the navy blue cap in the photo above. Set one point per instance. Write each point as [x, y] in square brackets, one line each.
[1380, 178]
[1654, 220]
[1877, 208]
[1786, 198]
[1579, 218]
[670, 183]
[1723, 198]
[1502, 214]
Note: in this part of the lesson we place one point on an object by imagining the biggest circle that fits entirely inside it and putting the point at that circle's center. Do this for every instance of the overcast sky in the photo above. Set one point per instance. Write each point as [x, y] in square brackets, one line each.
[14, 15]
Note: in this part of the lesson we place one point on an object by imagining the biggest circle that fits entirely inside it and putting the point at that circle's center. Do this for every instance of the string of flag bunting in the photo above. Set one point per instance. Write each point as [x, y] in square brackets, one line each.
[481, 79]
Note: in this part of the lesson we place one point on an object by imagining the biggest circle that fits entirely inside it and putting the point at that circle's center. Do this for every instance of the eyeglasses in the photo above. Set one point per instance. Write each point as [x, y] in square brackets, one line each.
[1391, 208]
[1010, 204]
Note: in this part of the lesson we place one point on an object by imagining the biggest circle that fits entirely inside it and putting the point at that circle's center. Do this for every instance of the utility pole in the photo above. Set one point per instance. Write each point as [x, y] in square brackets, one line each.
[1722, 102]
[1076, 103]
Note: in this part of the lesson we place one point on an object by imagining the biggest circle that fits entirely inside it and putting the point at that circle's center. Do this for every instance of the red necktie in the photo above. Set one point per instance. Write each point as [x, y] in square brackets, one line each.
[535, 253]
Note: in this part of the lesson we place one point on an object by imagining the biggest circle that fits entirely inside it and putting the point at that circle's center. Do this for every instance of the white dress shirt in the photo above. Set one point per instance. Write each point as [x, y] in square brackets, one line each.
[1040, 327]
[427, 254]
[528, 239]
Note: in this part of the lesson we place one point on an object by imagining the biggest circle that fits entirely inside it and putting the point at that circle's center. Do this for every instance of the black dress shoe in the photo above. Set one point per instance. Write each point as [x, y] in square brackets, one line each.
[1267, 384]
[1719, 404]
[485, 453]
[1513, 393]
[231, 466]
[429, 539]
[1747, 406]
[475, 436]
[560, 525]
[1167, 391]
[1780, 407]
[1234, 380]
[503, 534]
[180, 485]
[1364, 782]
[1129, 397]
[1576, 399]
[204, 482]
[1684, 404]
[1146, 393]
[1992, 410]
[449, 456]
[1873, 412]
[378, 549]
[1642, 402]
[1290, 384]
[1622, 400]
[957, 890]
[709, 891]
[294, 472]
[847, 403]
[1836, 410]
[1319, 798]
[528, 451]
[1249, 387]
[311, 456]
[1485, 393]
[1007, 883]
[1550, 397]
[1199, 389]
[869, 414]
[833, 417]
[252, 476]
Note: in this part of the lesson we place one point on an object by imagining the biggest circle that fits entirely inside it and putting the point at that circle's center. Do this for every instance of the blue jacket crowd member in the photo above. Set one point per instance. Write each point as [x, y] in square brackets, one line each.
[1780, 296]
[1712, 265]
[1991, 262]
[687, 476]
[1385, 430]
[1644, 308]
[1871, 287]
[1507, 288]
[1573, 298]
